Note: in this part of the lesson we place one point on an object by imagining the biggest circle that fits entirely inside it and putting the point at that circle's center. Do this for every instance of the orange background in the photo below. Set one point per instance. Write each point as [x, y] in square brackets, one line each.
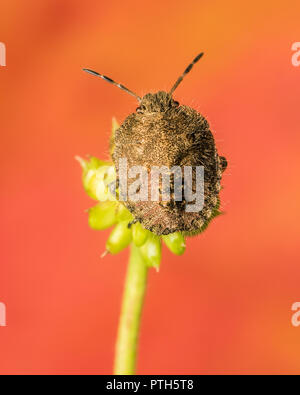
[225, 306]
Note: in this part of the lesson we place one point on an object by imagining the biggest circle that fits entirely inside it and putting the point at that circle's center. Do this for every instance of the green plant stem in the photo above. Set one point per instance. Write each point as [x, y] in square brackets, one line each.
[132, 304]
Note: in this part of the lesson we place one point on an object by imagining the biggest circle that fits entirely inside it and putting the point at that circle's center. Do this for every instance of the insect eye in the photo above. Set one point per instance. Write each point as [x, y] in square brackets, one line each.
[176, 103]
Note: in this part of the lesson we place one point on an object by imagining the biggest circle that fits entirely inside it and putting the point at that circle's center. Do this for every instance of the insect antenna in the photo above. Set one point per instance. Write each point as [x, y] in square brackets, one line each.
[186, 71]
[113, 82]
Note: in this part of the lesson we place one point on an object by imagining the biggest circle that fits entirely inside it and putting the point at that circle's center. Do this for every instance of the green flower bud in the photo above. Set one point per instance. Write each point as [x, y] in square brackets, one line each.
[119, 238]
[123, 214]
[97, 175]
[151, 251]
[139, 234]
[103, 215]
[175, 242]
[100, 182]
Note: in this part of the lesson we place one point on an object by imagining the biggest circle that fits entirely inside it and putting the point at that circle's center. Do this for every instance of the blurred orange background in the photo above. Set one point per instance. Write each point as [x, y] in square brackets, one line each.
[224, 306]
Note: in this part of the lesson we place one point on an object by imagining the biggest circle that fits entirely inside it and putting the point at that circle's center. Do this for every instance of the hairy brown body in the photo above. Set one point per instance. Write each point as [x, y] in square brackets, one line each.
[162, 133]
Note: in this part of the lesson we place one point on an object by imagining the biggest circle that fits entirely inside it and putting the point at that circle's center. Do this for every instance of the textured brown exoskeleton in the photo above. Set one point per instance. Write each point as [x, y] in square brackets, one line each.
[163, 133]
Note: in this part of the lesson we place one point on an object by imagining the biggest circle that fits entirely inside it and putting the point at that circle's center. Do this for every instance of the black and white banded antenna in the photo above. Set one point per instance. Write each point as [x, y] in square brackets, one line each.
[186, 71]
[113, 82]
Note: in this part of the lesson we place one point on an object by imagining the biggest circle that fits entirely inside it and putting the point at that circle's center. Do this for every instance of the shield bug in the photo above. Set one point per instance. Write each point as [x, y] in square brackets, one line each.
[162, 133]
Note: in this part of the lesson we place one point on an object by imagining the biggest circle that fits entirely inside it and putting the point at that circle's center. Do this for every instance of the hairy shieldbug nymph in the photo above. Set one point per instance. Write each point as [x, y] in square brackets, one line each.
[161, 132]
